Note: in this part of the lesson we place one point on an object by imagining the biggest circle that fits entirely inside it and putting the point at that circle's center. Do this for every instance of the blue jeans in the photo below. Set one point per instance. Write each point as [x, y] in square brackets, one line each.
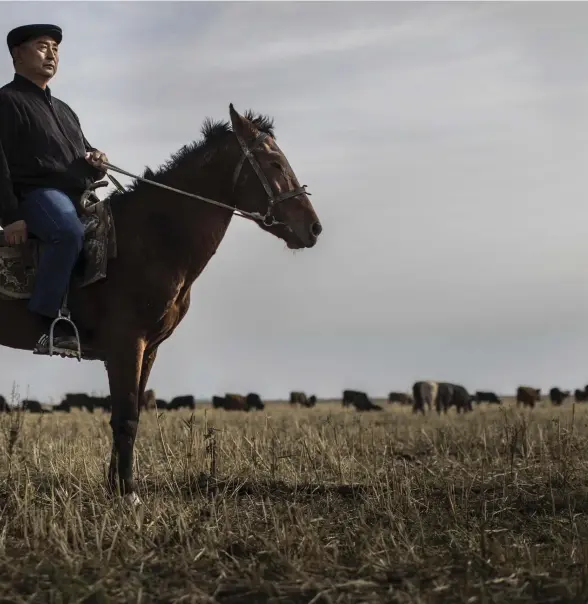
[51, 216]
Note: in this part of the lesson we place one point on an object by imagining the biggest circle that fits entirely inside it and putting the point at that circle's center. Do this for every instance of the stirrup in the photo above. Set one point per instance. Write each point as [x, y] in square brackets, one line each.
[64, 315]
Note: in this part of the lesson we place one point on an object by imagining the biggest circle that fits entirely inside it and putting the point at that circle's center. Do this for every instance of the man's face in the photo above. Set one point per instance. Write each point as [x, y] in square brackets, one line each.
[38, 57]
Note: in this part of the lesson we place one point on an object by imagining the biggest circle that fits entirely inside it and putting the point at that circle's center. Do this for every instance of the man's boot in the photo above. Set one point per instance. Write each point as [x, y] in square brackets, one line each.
[64, 339]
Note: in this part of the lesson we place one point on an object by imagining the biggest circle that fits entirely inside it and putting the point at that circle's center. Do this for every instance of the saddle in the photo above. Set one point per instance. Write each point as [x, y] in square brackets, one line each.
[18, 265]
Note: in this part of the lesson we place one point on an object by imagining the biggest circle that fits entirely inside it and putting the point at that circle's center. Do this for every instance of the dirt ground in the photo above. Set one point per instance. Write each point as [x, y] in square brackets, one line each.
[321, 505]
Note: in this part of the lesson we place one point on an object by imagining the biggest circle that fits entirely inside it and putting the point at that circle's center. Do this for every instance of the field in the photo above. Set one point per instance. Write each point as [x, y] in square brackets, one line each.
[318, 505]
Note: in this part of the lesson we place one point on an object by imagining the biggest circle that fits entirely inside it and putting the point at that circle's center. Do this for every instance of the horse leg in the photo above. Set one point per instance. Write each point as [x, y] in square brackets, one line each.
[148, 360]
[124, 367]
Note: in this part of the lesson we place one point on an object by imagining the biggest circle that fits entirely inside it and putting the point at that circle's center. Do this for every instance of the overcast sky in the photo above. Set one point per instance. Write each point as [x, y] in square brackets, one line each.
[446, 149]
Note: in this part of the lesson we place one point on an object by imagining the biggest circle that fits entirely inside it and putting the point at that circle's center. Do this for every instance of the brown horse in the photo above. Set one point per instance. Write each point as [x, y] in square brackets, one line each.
[164, 241]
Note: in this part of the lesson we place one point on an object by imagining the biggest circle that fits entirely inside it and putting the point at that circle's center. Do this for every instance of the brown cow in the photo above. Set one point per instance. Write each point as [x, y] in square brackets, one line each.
[528, 396]
[300, 398]
[557, 396]
[148, 400]
[230, 402]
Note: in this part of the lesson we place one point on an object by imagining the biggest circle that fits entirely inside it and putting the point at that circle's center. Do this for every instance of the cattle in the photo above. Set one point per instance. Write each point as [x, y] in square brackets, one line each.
[230, 402]
[528, 396]
[160, 404]
[186, 401]
[63, 406]
[359, 400]
[581, 396]
[84, 401]
[453, 395]
[220, 402]
[300, 398]
[424, 394]
[403, 398]
[148, 401]
[35, 406]
[4, 407]
[80, 401]
[253, 401]
[442, 396]
[487, 397]
[102, 402]
[557, 396]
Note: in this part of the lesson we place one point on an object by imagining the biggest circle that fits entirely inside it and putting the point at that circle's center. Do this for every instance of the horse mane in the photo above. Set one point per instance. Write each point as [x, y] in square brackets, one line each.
[214, 136]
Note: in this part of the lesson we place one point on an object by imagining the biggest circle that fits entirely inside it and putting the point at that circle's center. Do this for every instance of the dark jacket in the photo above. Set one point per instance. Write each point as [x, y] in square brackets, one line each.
[41, 145]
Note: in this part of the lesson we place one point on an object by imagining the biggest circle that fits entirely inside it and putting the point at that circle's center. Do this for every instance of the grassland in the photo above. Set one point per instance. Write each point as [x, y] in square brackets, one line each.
[319, 505]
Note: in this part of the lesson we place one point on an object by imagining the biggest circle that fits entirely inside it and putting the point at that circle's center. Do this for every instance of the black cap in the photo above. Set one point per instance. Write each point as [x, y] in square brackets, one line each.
[27, 32]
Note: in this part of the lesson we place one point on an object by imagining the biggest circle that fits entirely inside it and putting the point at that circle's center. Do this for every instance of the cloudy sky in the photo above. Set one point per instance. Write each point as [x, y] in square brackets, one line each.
[446, 148]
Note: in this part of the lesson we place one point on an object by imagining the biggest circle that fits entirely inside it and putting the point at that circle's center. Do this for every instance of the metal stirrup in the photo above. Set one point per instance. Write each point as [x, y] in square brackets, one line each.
[65, 315]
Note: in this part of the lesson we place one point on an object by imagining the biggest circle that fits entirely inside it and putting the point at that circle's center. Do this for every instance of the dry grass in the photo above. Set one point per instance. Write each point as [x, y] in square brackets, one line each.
[300, 505]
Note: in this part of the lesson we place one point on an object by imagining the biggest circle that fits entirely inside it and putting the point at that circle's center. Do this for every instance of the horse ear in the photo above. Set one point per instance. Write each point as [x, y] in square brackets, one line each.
[241, 125]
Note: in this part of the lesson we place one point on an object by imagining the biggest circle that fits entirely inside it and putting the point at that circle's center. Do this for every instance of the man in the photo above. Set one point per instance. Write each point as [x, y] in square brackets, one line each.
[45, 163]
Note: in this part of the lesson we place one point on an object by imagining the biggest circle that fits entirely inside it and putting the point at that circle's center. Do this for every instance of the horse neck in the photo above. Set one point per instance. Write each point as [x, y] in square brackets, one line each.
[186, 231]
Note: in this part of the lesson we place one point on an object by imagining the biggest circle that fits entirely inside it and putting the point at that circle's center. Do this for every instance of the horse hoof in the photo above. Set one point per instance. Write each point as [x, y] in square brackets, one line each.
[133, 500]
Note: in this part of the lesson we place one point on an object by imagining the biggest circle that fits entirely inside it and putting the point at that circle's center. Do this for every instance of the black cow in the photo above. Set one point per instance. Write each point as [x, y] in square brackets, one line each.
[186, 401]
[253, 401]
[557, 396]
[4, 408]
[581, 396]
[453, 395]
[34, 406]
[80, 401]
[359, 400]
[160, 404]
[487, 397]
[442, 396]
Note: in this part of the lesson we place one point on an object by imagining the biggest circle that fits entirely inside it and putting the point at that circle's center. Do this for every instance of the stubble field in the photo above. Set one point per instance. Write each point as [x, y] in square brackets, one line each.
[296, 505]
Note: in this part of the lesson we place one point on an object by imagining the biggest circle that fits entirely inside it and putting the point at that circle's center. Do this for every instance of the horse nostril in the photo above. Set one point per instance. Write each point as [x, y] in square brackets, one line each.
[316, 229]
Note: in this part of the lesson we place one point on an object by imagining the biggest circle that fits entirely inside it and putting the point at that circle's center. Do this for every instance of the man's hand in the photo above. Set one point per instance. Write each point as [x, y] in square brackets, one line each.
[16, 233]
[96, 159]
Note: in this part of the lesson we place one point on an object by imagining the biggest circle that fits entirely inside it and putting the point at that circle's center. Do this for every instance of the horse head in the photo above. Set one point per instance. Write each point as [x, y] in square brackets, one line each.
[265, 184]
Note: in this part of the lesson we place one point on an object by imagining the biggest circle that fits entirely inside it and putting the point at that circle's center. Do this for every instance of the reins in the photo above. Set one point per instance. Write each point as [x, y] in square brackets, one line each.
[109, 166]
[273, 199]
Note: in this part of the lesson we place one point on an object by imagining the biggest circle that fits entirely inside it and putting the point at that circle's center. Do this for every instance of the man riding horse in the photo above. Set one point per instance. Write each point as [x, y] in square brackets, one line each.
[46, 164]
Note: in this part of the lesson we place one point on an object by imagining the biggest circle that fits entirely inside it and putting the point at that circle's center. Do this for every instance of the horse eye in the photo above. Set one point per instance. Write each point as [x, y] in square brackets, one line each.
[276, 164]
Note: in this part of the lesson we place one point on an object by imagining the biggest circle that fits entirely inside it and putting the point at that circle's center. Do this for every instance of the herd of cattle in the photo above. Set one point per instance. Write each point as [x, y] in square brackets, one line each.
[232, 402]
[442, 396]
[428, 395]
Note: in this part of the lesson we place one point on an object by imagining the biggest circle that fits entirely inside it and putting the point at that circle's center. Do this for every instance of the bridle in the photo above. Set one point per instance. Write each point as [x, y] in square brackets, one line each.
[268, 219]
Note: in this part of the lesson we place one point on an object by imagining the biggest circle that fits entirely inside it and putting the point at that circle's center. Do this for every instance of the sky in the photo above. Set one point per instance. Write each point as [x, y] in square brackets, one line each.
[446, 149]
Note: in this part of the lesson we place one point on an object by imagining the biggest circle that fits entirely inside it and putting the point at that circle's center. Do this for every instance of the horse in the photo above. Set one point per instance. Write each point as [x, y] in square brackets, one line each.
[165, 238]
